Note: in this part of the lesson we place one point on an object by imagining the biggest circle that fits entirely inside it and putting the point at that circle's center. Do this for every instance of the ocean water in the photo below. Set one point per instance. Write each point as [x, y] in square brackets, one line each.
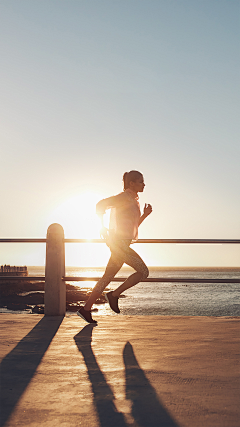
[171, 299]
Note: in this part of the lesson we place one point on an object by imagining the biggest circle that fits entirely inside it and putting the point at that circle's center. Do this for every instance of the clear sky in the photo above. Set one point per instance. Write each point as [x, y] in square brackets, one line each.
[91, 89]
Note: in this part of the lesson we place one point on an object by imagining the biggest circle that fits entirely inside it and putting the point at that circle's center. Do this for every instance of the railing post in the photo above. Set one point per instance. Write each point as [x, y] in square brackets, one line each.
[55, 289]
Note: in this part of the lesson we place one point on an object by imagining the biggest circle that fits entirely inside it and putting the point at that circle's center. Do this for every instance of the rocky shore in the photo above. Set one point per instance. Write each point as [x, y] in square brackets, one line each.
[29, 296]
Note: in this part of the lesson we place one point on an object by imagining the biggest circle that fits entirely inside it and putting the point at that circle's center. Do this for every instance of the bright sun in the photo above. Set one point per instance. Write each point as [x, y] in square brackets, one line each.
[77, 216]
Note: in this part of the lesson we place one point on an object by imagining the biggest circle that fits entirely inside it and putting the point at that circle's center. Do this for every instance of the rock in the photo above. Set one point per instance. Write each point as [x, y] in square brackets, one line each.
[9, 287]
[101, 300]
[32, 298]
[39, 309]
[76, 295]
[24, 295]
[73, 307]
[17, 306]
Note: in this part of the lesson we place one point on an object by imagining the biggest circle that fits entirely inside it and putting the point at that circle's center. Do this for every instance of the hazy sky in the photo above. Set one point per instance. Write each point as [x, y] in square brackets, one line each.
[91, 89]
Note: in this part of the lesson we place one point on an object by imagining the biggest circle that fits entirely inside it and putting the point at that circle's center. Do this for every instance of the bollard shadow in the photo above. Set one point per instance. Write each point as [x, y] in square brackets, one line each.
[103, 395]
[147, 410]
[19, 366]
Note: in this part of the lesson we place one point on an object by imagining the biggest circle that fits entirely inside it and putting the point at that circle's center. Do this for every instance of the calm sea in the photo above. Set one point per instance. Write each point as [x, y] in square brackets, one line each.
[171, 299]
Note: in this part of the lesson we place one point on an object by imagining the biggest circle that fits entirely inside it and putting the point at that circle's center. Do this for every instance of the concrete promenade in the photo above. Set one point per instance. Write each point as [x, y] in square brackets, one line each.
[138, 371]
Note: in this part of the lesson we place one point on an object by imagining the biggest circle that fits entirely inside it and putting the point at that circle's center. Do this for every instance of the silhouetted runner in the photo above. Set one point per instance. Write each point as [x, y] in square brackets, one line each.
[125, 219]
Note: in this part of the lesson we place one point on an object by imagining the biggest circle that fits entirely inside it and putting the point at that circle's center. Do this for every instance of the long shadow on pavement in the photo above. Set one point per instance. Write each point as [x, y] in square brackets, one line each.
[103, 395]
[147, 410]
[19, 366]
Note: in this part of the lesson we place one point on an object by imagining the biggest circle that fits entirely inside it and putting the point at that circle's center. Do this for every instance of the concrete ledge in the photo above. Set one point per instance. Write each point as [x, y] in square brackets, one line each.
[149, 371]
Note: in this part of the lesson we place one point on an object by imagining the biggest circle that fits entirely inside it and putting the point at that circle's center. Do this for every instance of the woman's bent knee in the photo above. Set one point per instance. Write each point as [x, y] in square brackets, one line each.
[145, 273]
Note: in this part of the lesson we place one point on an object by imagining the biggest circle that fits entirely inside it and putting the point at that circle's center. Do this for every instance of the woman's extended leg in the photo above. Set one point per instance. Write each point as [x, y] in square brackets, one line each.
[121, 252]
[112, 269]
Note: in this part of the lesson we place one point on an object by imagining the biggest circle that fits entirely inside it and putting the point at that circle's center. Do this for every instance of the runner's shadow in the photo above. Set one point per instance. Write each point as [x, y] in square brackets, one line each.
[103, 395]
[19, 366]
[147, 410]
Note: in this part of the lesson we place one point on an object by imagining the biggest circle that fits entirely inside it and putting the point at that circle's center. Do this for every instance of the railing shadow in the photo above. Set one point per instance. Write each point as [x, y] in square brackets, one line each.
[147, 410]
[19, 366]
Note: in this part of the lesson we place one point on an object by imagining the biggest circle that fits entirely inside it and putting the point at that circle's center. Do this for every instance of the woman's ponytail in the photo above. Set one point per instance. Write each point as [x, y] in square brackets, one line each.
[125, 180]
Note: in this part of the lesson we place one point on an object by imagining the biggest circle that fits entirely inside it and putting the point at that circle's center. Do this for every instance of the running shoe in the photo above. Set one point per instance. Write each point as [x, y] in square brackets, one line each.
[85, 315]
[113, 302]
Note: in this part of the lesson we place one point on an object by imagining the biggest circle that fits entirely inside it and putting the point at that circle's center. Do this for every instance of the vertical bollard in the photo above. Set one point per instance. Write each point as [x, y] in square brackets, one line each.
[55, 289]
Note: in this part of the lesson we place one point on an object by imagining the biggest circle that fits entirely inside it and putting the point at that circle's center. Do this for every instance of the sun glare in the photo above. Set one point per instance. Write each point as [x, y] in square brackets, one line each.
[77, 216]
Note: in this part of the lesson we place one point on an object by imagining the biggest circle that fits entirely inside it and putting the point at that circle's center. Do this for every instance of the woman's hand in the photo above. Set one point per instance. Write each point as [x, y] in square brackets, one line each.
[104, 233]
[147, 209]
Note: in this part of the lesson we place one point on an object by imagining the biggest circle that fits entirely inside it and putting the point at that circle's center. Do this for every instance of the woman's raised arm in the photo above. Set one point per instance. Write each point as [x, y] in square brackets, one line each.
[110, 202]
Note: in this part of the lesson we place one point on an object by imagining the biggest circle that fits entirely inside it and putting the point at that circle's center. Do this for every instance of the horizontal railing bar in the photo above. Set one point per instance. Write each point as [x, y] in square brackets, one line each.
[23, 240]
[25, 278]
[122, 279]
[155, 279]
[186, 241]
[216, 241]
[183, 241]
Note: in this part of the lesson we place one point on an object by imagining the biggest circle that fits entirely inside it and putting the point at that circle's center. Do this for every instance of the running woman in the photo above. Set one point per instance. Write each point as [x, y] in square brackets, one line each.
[125, 219]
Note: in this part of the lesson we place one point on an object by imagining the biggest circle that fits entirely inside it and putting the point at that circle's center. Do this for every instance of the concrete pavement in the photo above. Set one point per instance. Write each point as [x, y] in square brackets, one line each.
[148, 371]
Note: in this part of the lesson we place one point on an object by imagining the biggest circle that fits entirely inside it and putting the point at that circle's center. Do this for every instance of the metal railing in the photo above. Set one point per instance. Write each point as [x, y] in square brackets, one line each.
[55, 289]
[121, 279]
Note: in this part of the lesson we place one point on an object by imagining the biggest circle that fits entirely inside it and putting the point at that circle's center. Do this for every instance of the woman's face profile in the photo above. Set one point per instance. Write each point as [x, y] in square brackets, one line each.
[138, 185]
